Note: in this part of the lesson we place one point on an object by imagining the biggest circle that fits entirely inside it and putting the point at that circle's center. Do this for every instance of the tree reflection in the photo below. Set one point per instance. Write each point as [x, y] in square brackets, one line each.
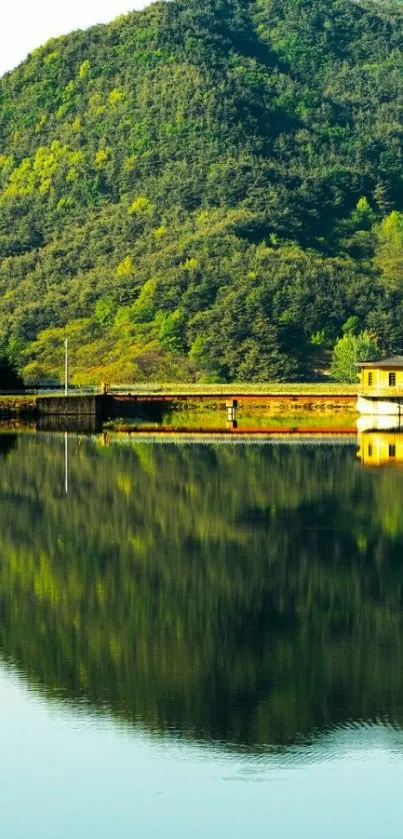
[249, 594]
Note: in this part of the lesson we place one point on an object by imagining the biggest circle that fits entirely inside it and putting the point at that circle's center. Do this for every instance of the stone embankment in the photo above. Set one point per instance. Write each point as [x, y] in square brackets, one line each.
[102, 407]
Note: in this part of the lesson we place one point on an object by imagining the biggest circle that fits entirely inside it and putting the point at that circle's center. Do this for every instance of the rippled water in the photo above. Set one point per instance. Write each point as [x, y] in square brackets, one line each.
[199, 640]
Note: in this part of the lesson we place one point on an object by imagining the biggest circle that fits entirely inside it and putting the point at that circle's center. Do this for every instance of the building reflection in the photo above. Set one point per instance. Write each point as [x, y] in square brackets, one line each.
[380, 441]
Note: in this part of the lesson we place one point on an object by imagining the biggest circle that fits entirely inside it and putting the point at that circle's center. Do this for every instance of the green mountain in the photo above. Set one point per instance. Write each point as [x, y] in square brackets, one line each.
[204, 190]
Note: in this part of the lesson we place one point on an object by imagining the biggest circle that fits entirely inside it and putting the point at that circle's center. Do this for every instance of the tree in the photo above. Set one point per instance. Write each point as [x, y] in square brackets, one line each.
[351, 326]
[389, 252]
[348, 351]
[105, 311]
[9, 378]
[381, 198]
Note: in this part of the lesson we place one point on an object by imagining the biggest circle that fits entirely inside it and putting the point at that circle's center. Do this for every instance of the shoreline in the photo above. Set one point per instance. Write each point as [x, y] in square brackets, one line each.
[18, 407]
[269, 401]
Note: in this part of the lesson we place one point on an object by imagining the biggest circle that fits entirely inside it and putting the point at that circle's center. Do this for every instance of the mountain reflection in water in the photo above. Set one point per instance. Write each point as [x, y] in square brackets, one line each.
[244, 595]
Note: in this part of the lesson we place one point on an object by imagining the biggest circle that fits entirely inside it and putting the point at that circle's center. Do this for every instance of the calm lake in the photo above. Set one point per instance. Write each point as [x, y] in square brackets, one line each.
[200, 640]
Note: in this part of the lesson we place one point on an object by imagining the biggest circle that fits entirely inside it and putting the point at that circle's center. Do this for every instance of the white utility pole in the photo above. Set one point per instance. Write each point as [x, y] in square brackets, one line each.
[66, 463]
[66, 367]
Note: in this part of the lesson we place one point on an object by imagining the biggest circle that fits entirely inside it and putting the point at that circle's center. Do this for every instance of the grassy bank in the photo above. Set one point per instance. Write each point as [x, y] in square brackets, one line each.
[23, 407]
[252, 412]
[275, 388]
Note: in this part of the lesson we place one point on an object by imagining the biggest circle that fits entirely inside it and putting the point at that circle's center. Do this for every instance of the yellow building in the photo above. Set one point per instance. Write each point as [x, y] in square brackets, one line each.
[381, 387]
[380, 448]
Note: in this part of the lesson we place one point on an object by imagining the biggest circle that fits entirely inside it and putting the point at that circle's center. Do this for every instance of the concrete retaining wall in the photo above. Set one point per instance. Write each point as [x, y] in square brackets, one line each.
[75, 406]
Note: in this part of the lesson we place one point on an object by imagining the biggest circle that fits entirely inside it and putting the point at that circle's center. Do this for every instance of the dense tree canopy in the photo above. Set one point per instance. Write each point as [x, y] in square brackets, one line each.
[204, 190]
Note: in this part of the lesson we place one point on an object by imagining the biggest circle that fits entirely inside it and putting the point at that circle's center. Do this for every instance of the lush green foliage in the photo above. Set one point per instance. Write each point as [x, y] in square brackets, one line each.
[349, 350]
[9, 378]
[204, 190]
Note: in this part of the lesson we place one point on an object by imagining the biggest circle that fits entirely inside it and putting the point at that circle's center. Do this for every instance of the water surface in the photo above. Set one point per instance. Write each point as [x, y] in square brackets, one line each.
[199, 640]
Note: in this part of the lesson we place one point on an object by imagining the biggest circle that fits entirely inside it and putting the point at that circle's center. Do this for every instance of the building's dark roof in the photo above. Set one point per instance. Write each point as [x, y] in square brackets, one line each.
[395, 362]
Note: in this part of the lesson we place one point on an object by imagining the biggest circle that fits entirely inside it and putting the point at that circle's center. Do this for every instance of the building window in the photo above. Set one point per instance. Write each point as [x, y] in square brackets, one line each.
[369, 450]
[370, 379]
[392, 379]
[392, 450]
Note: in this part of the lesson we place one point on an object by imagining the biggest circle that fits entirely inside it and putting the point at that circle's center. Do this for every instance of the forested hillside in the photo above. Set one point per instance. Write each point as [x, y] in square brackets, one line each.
[204, 190]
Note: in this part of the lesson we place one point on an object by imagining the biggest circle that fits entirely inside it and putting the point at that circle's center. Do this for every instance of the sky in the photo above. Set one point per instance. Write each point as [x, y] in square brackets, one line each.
[27, 24]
